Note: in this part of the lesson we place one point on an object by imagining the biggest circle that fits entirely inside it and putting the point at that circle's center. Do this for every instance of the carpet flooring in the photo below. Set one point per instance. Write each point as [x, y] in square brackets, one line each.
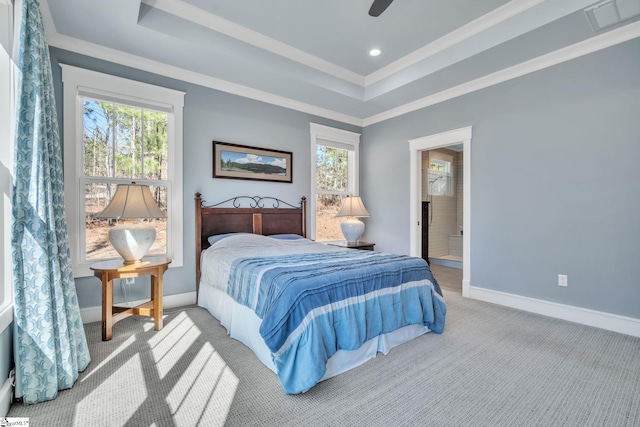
[492, 366]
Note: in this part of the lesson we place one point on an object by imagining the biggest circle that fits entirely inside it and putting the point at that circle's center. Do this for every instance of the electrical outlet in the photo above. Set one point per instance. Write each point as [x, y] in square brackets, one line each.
[563, 280]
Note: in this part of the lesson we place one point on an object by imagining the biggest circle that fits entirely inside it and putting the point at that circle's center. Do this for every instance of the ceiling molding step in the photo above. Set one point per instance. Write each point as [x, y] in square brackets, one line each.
[506, 26]
[166, 70]
[209, 20]
[594, 44]
[491, 19]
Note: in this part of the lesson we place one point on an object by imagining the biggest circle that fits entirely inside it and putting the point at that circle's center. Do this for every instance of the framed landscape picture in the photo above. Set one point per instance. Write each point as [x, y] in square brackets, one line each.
[244, 162]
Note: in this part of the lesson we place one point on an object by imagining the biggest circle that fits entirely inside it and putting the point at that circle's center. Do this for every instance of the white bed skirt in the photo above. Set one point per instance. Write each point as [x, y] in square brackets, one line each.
[243, 324]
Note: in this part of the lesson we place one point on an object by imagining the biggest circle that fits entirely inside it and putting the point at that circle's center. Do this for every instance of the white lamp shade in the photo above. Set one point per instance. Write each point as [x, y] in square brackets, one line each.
[132, 240]
[352, 206]
[132, 201]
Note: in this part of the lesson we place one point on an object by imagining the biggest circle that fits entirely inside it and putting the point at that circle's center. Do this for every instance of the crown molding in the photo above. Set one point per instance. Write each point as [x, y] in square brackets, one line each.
[491, 19]
[214, 22]
[585, 47]
[82, 47]
[163, 69]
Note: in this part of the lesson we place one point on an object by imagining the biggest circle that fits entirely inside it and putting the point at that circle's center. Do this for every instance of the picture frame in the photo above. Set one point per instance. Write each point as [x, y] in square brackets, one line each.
[235, 161]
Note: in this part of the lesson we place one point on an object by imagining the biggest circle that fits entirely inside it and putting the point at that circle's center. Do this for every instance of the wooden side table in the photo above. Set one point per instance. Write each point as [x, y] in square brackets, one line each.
[116, 269]
[366, 246]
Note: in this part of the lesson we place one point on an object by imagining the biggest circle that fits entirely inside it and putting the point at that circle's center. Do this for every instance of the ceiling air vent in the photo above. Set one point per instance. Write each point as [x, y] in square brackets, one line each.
[611, 12]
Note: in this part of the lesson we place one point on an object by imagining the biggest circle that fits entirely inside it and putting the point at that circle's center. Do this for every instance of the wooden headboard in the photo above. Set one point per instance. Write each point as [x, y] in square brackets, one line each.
[257, 215]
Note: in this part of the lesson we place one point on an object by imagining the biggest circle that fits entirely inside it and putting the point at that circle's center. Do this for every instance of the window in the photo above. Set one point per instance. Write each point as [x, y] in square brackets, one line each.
[7, 124]
[121, 143]
[334, 172]
[120, 131]
[440, 176]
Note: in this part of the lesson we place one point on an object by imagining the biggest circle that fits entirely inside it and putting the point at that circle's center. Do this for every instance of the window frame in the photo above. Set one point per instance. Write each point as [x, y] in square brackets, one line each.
[79, 83]
[437, 157]
[337, 138]
[446, 174]
[7, 137]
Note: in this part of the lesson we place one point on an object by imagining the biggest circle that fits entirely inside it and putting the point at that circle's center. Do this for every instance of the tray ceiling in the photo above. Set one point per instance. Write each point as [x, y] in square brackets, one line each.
[312, 56]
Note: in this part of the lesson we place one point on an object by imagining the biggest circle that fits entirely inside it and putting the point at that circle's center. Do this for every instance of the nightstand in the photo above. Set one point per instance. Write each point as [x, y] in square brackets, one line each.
[365, 246]
[117, 269]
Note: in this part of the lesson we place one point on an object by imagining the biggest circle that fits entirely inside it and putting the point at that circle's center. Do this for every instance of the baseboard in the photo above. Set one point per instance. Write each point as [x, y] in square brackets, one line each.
[5, 398]
[598, 319]
[94, 314]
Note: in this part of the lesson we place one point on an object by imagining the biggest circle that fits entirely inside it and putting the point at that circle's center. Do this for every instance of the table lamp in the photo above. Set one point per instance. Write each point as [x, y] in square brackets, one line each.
[132, 240]
[352, 228]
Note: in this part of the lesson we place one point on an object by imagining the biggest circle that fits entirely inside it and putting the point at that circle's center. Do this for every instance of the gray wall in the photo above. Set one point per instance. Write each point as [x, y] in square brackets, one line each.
[554, 179]
[555, 186]
[209, 115]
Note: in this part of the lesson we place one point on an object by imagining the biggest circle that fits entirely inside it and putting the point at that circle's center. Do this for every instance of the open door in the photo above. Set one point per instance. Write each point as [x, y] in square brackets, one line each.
[425, 231]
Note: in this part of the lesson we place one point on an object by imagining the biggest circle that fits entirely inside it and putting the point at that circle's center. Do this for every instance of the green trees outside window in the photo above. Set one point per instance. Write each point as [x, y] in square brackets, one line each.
[121, 144]
[332, 185]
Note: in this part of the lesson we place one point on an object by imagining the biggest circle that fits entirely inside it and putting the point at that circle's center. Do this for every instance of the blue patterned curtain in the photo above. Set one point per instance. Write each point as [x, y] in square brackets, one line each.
[50, 346]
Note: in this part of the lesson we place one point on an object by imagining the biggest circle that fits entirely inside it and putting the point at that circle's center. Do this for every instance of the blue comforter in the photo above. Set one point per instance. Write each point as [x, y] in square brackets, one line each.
[313, 304]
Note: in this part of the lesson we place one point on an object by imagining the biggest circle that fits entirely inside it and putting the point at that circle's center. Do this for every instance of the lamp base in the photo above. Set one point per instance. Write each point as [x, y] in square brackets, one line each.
[352, 228]
[132, 241]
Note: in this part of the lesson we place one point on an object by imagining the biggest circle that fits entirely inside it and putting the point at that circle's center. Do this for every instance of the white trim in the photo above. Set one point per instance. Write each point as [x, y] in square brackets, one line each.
[556, 57]
[350, 139]
[123, 58]
[223, 26]
[76, 80]
[491, 19]
[584, 316]
[206, 19]
[6, 26]
[7, 136]
[94, 314]
[5, 397]
[334, 134]
[416, 146]
[594, 44]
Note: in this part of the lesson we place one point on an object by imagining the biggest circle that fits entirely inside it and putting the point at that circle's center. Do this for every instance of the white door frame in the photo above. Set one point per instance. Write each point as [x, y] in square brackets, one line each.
[440, 140]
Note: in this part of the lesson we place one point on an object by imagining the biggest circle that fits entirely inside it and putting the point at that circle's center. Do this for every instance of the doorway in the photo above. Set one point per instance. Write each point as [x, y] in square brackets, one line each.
[456, 137]
[442, 203]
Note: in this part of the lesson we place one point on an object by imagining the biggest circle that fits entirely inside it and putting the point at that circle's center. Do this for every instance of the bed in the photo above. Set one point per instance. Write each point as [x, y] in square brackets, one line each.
[308, 311]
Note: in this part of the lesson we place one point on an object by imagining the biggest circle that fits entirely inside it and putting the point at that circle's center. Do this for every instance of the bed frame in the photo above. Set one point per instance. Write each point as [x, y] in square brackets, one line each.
[261, 215]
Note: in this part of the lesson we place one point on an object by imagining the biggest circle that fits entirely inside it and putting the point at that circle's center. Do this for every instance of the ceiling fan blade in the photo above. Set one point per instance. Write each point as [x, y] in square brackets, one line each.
[379, 6]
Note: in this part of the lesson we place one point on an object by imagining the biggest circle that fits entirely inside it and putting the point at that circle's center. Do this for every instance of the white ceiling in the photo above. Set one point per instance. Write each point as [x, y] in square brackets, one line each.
[311, 55]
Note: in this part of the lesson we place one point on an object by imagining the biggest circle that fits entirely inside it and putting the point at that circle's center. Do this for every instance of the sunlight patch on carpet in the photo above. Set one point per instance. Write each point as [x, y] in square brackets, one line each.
[126, 384]
[170, 345]
[205, 390]
[115, 353]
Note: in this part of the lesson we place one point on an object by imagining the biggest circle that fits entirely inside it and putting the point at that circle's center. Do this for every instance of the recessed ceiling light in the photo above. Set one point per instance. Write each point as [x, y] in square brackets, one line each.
[375, 52]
